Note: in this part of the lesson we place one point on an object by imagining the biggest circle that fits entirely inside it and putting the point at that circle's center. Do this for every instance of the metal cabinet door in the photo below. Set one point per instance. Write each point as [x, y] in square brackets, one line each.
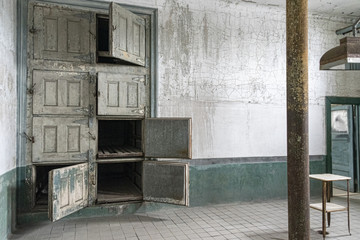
[167, 137]
[166, 182]
[127, 35]
[64, 34]
[121, 94]
[68, 190]
[60, 139]
[57, 92]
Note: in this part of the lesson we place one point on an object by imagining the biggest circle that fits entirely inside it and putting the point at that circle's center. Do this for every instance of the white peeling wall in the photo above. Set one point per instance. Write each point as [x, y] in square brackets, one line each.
[225, 67]
[8, 101]
[223, 63]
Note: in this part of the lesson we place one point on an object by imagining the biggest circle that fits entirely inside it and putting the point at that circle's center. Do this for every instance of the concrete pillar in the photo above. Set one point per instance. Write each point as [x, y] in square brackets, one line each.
[297, 119]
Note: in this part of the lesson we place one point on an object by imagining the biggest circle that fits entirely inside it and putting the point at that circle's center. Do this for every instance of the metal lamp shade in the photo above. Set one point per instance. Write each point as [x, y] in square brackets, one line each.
[343, 57]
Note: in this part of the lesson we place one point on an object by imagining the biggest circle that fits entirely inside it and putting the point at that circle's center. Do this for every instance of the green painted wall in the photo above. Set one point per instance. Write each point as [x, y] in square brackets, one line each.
[209, 184]
[223, 183]
[7, 203]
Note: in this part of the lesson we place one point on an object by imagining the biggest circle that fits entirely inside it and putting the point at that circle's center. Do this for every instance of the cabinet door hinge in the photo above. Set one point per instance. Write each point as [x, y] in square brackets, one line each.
[92, 57]
[92, 78]
[91, 111]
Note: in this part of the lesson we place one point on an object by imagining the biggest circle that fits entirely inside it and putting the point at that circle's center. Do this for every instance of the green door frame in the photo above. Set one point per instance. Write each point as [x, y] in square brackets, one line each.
[328, 101]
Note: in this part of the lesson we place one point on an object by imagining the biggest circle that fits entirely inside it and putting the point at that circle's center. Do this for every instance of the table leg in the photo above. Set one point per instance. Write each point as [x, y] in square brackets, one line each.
[348, 205]
[324, 208]
[328, 196]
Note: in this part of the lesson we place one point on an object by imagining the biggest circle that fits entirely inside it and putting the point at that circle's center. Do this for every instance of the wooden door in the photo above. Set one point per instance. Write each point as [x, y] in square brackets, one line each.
[342, 144]
[60, 139]
[121, 94]
[127, 35]
[57, 92]
[166, 182]
[68, 190]
[167, 137]
[64, 34]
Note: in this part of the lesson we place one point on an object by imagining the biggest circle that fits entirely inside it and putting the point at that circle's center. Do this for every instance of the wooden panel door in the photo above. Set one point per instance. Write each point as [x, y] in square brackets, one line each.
[58, 92]
[68, 190]
[60, 139]
[342, 144]
[62, 34]
[166, 182]
[167, 137]
[121, 94]
[127, 35]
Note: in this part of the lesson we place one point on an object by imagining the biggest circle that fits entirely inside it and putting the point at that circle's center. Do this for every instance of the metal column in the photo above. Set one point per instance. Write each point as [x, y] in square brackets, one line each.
[297, 119]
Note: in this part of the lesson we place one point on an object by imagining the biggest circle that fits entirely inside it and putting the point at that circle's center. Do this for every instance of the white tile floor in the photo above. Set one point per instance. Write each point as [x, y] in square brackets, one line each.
[266, 220]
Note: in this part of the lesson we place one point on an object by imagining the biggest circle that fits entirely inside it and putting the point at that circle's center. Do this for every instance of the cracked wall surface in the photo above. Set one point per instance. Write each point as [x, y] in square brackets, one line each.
[8, 106]
[7, 85]
[223, 63]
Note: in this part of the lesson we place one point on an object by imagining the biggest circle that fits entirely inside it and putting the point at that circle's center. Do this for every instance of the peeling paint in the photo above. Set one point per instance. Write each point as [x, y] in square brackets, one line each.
[229, 57]
[7, 86]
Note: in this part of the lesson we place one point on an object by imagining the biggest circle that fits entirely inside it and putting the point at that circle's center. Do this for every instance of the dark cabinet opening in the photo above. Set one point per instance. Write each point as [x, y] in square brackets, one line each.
[103, 43]
[119, 182]
[120, 138]
[42, 184]
[102, 33]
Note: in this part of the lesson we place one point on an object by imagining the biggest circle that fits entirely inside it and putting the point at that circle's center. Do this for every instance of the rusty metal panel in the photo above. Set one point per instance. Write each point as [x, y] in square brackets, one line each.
[166, 182]
[127, 35]
[68, 190]
[167, 137]
[121, 94]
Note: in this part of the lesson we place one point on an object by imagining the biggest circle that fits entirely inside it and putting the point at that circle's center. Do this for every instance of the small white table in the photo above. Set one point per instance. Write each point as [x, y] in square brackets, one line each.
[326, 206]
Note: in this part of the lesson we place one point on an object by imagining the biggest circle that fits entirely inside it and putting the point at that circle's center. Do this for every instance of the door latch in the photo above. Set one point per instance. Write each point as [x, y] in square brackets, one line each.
[30, 90]
[92, 180]
[92, 136]
[33, 30]
[29, 138]
[138, 111]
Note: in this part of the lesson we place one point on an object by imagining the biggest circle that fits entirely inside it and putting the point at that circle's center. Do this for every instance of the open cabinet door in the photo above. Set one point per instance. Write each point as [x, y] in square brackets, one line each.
[68, 190]
[127, 35]
[167, 137]
[166, 182]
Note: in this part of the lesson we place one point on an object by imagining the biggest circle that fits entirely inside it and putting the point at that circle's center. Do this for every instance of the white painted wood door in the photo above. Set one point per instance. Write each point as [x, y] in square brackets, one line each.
[127, 35]
[60, 33]
[58, 92]
[121, 94]
[60, 139]
[68, 190]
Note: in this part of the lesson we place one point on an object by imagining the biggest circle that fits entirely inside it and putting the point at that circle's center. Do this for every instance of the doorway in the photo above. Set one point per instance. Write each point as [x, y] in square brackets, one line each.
[343, 124]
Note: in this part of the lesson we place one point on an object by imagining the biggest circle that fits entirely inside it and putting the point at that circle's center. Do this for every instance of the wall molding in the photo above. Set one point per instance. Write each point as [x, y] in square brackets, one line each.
[244, 160]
